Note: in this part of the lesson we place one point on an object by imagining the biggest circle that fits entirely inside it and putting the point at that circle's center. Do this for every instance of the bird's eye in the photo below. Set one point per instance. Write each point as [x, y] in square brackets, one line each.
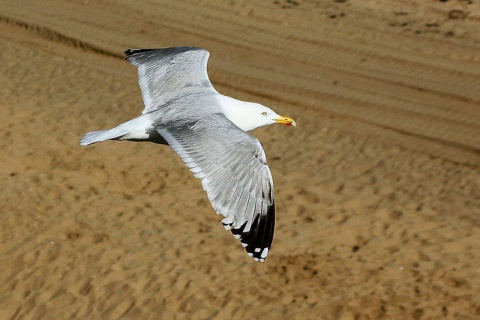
[264, 113]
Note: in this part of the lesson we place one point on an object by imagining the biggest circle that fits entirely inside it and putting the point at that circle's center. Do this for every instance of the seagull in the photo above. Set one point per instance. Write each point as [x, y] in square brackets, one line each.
[208, 131]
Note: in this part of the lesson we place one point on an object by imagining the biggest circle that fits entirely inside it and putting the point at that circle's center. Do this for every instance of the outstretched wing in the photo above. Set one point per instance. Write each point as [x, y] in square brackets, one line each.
[164, 73]
[234, 173]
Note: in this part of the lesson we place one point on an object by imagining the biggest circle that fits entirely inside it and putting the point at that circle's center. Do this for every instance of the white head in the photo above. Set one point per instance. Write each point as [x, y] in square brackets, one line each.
[248, 115]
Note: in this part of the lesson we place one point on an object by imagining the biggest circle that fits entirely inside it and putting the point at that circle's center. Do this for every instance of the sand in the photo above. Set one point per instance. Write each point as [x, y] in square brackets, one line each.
[377, 189]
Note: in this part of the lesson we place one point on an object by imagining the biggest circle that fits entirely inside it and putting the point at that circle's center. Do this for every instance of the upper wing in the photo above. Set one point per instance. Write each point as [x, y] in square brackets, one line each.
[234, 173]
[164, 73]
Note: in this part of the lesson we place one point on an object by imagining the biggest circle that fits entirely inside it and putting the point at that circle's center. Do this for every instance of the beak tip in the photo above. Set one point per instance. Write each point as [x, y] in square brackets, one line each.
[286, 121]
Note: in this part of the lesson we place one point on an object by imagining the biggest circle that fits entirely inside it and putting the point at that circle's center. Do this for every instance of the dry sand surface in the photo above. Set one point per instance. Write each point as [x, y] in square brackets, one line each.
[377, 190]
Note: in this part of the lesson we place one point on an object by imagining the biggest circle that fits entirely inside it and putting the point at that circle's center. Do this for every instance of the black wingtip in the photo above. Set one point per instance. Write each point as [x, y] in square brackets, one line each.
[130, 52]
[258, 240]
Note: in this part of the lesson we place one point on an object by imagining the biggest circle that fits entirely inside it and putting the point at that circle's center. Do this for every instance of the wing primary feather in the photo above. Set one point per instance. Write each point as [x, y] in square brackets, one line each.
[230, 209]
[216, 186]
[220, 197]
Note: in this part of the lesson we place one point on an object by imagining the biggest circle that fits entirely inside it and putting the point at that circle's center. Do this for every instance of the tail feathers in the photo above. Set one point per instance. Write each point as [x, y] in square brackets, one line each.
[97, 136]
[138, 129]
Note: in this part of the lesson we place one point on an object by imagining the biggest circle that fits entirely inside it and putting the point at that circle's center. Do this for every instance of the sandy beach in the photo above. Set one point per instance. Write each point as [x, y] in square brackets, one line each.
[377, 189]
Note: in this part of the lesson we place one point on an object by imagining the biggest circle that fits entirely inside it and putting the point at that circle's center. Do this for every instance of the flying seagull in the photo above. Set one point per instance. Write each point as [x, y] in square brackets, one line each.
[209, 132]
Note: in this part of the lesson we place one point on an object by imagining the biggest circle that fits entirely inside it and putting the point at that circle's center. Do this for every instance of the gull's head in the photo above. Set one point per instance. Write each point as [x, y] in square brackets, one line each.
[271, 117]
[253, 115]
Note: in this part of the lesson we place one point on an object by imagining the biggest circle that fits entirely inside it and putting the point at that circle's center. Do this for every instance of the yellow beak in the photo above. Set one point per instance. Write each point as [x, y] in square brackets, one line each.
[286, 121]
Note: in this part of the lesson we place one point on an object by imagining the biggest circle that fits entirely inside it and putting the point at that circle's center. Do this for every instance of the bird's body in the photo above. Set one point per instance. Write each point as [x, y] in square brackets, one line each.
[208, 131]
